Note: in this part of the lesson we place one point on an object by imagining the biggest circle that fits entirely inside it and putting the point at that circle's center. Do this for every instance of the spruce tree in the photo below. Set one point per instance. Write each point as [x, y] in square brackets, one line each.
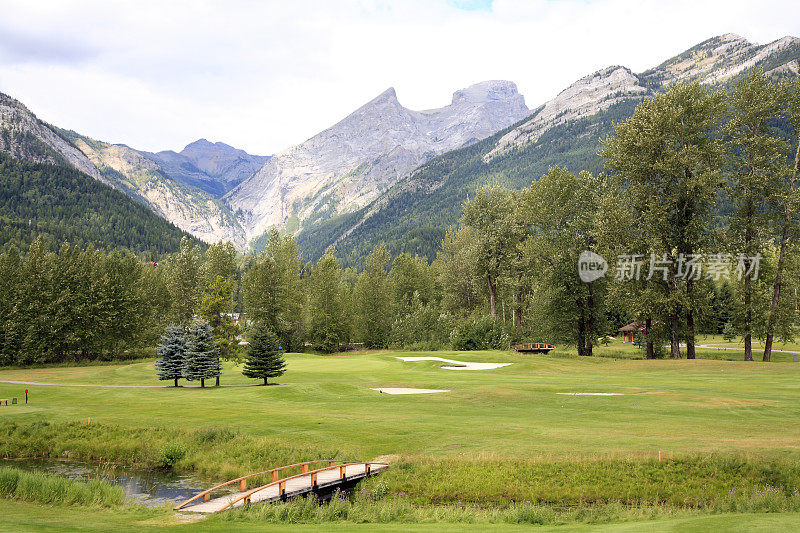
[202, 355]
[171, 352]
[264, 360]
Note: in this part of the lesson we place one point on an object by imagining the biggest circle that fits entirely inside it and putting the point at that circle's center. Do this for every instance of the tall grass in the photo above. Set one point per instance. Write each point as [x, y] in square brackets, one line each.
[44, 488]
[448, 484]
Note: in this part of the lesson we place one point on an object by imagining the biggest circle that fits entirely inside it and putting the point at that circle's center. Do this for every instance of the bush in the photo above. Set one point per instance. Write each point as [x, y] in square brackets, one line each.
[484, 333]
[171, 454]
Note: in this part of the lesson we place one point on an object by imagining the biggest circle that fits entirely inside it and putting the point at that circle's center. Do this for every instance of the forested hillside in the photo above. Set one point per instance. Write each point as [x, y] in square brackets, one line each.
[65, 205]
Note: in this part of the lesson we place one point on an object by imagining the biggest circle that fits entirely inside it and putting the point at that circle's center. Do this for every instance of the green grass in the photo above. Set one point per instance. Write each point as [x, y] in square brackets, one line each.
[43, 488]
[726, 430]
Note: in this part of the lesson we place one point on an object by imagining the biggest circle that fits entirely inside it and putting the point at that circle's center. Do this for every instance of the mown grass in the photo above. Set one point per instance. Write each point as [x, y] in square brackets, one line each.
[44, 488]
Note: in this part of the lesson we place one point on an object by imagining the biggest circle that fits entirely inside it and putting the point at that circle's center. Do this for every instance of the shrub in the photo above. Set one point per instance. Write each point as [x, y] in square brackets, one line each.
[171, 454]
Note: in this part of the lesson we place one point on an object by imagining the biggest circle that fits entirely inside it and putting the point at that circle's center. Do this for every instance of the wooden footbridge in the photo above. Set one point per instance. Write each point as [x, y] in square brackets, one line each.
[319, 478]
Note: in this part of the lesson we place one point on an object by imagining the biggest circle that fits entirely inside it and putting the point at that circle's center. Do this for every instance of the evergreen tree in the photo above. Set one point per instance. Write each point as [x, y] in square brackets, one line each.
[171, 352]
[264, 360]
[202, 355]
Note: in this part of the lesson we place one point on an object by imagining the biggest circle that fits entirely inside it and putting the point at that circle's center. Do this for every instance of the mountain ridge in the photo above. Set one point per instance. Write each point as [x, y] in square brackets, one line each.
[563, 131]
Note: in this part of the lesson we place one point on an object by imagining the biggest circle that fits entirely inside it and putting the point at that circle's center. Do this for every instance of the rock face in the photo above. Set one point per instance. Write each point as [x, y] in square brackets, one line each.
[135, 173]
[723, 57]
[587, 96]
[350, 164]
[213, 167]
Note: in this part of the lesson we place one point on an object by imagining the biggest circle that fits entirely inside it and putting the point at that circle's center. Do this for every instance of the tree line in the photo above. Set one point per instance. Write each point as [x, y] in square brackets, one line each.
[699, 193]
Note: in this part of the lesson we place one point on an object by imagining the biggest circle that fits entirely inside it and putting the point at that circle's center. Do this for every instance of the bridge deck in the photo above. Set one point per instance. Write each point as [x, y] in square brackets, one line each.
[296, 486]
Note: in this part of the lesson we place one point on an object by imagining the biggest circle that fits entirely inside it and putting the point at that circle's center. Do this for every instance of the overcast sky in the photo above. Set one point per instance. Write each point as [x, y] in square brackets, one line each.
[264, 75]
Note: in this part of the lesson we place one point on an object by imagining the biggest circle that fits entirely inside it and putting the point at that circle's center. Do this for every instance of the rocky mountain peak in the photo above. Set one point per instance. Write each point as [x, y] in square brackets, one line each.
[486, 91]
[349, 164]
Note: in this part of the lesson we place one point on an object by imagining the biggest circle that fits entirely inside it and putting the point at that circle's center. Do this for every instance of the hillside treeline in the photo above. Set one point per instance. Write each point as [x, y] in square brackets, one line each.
[65, 205]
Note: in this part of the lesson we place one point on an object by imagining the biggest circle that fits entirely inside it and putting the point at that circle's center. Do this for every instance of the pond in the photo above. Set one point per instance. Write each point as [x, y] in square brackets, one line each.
[147, 487]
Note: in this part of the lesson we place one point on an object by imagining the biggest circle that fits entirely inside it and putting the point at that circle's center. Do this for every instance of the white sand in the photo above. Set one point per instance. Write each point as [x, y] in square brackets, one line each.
[591, 393]
[402, 390]
[462, 365]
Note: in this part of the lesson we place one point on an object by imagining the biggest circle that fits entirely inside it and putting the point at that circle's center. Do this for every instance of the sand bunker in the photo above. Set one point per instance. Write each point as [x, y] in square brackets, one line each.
[591, 393]
[403, 390]
[460, 365]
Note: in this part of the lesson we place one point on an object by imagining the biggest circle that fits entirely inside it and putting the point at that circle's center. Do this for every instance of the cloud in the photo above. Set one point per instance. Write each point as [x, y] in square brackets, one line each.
[17, 47]
[265, 75]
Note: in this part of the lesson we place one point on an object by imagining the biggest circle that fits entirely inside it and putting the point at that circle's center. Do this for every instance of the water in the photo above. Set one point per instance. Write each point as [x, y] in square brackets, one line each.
[152, 488]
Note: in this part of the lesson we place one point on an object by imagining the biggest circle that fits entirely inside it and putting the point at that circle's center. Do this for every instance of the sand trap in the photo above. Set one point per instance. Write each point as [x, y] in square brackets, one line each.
[402, 390]
[591, 393]
[462, 365]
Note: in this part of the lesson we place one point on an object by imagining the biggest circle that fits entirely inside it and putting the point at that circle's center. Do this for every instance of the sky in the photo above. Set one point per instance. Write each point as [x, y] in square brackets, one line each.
[263, 75]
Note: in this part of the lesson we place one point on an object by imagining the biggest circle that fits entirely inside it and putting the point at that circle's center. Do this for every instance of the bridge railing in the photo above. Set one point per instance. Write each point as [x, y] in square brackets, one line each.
[275, 473]
[281, 483]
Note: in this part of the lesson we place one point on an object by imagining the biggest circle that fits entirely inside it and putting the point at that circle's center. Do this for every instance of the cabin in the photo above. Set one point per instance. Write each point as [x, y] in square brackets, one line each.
[630, 331]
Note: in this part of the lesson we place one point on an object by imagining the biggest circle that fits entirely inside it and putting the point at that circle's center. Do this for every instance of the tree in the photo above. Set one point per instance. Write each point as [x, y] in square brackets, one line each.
[171, 354]
[668, 155]
[757, 160]
[184, 270]
[264, 360]
[562, 211]
[274, 291]
[786, 205]
[216, 308]
[485, 213]
[373, 300]
[202, 355]
[455, 268]
[329, 311]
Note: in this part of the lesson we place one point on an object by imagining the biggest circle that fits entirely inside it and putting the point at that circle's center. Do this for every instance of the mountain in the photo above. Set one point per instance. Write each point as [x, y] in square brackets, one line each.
[25, 137]
[137, 175]
[212, 167]
[565, 131]
[183, 188]
[345, 167]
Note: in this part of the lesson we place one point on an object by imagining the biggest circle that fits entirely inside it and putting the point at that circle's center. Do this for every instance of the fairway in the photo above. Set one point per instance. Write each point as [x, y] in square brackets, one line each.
[518, 411]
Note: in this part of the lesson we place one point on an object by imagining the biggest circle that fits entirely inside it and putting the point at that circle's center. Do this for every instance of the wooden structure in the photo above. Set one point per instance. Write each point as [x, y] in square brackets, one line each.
[630, 331]
[315, 477]
[533, 347]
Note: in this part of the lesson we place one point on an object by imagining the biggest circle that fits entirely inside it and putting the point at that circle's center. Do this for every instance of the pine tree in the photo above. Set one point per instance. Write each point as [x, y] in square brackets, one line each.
[171, 354]
[263, 358]
[202, 355]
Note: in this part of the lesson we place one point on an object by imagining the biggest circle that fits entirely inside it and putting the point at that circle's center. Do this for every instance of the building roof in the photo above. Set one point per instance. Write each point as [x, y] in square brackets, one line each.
[634, 326]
